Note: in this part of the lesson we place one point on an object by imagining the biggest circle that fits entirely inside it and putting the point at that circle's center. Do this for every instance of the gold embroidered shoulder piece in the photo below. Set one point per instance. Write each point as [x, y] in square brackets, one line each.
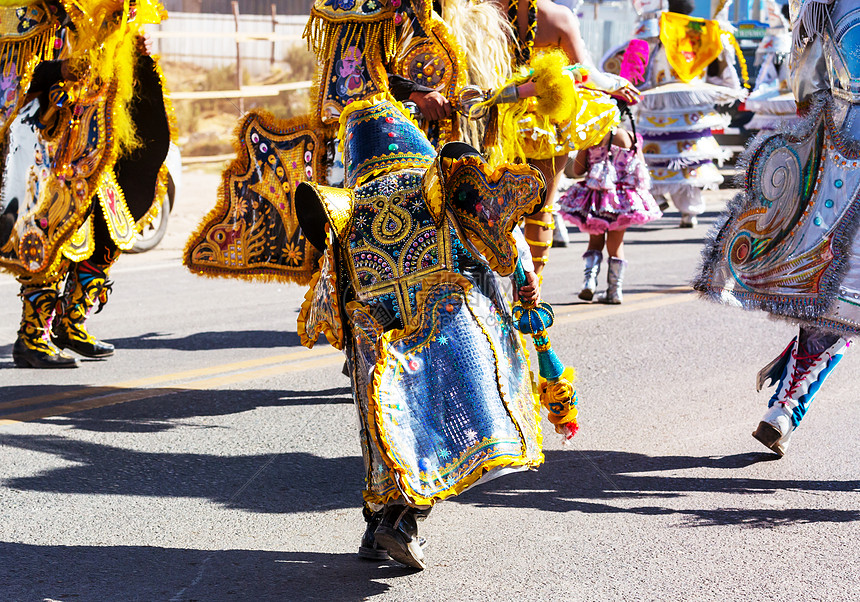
[253, 231]
[489, 202]
[431, 56]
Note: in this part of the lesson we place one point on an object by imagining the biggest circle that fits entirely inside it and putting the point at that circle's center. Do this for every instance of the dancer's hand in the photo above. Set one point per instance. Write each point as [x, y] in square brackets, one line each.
[66, 71]
[629, 94]
[432, 105]
[530, 292]
[144, 44]
[527, 89]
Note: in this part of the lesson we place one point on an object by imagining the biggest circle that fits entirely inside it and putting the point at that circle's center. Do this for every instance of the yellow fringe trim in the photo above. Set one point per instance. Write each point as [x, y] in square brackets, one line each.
[334, 333]
[163, 174]
[160, 192]
[168, 103]
[322, 33]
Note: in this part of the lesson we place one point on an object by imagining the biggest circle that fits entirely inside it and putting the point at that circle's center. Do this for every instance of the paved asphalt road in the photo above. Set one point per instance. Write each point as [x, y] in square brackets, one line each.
[213, 458]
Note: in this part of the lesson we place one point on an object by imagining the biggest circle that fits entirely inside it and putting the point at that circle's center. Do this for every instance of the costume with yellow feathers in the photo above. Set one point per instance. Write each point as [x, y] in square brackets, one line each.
[253, 232]
[80, 176]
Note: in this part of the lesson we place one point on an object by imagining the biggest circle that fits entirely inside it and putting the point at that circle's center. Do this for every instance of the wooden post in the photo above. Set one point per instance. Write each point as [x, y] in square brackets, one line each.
[235, 5]
[274, 31]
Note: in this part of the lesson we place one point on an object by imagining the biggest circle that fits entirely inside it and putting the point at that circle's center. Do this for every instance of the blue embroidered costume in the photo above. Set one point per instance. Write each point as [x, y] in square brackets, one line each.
[407, 289]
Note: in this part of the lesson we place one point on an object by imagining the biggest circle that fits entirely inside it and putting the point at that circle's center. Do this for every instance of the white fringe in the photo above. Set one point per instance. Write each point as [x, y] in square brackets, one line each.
[682, 99]
[809, 22]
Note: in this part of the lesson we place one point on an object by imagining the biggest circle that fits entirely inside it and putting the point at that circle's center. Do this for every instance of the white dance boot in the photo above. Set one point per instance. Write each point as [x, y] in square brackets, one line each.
[801, 376]
[614, 294]
[593, 259]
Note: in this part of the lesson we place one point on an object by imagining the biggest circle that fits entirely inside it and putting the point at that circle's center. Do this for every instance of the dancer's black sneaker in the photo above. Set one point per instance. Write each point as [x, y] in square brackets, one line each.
[397, 533]
[369, 548]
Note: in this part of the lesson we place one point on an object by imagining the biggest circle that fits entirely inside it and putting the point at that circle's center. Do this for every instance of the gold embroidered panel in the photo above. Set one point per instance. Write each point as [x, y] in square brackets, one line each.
[82, 243]
[119, 221]
[394, 242]
[489, 202]
[253, 231]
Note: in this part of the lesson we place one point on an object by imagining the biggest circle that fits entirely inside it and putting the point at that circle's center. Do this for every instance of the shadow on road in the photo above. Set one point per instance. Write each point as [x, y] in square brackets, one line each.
[283, 482]
[152, 573]
[571, 481]
[228, 339]
[680, 241]
[157, 409]
[606, 482]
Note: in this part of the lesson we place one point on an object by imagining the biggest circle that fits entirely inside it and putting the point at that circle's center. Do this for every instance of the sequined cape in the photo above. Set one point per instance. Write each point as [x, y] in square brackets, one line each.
[440, 376]
[405, 286]
[787, 244]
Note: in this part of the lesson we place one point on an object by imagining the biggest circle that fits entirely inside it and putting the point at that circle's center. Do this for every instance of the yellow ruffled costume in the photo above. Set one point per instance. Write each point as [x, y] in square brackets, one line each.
[564, 116]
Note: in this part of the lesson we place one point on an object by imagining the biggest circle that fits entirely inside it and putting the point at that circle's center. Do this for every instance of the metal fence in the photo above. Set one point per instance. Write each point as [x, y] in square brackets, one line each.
[248, 7]
[209, 40]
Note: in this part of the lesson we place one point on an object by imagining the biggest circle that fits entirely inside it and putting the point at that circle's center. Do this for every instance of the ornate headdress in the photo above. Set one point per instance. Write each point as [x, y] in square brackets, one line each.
[378, 137]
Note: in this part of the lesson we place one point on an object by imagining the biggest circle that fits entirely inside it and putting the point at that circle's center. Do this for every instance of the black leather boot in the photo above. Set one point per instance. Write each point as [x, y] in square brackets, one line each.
[87, 284]
[397, 533]
[33, 347]
[369, 548]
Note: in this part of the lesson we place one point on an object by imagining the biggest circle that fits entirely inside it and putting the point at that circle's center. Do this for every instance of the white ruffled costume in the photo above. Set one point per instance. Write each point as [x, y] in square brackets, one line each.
[676, 119]
[772, 100]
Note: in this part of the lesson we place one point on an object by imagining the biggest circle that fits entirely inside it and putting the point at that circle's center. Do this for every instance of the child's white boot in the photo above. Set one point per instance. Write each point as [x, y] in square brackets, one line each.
[614, 281]
[593, 259]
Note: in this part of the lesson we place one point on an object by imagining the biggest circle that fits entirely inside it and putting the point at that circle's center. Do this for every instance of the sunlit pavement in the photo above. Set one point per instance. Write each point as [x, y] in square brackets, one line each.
[213, 458]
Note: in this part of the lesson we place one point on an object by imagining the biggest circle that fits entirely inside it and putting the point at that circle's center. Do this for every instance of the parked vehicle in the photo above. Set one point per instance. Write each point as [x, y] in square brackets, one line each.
[154, 232]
